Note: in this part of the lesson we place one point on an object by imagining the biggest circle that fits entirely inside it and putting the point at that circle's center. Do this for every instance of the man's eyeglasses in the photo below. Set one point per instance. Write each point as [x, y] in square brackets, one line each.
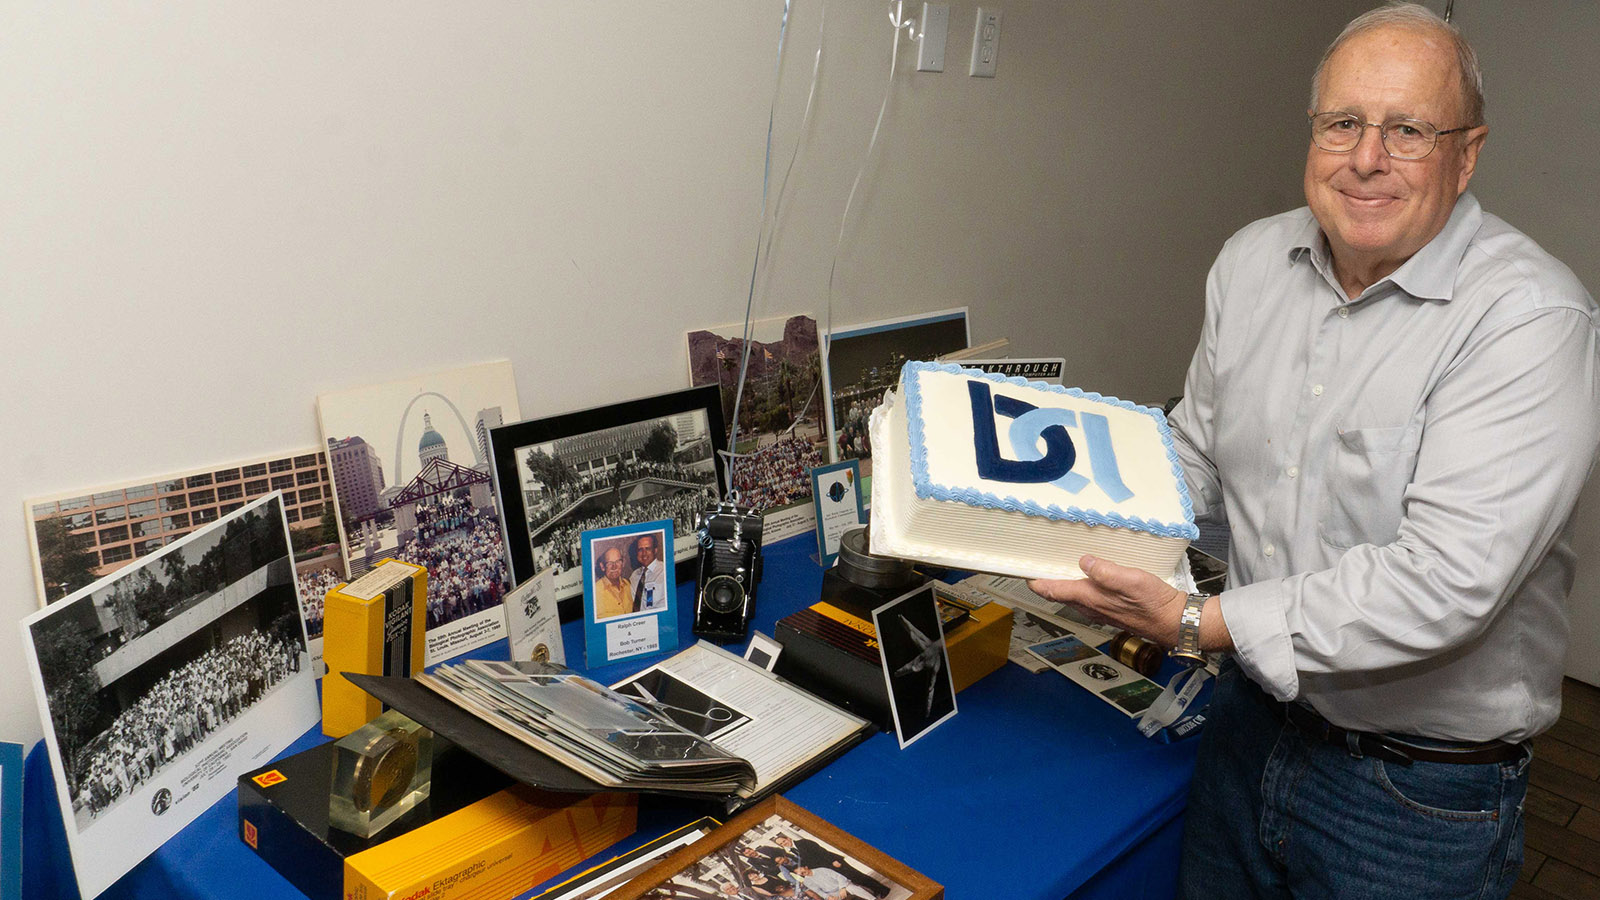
[1338, 132]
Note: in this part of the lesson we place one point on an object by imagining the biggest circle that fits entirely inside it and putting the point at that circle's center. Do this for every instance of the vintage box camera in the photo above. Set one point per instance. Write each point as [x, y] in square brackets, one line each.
[730, 569]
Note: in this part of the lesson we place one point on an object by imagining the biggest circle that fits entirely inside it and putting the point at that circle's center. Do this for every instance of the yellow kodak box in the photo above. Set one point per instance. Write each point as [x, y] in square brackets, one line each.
[496, 848]
[372, 626]
[979, 645]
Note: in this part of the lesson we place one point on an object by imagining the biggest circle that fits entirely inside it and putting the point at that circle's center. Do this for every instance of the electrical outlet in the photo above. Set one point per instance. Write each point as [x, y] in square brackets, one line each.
[985, 42]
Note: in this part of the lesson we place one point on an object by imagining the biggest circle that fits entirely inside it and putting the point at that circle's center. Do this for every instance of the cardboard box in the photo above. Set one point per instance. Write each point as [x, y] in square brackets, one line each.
[478, 835]
[375, 626]
[834, 654]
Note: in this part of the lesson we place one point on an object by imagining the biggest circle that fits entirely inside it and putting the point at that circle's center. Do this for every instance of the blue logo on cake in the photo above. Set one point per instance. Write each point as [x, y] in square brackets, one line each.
[1029, 426]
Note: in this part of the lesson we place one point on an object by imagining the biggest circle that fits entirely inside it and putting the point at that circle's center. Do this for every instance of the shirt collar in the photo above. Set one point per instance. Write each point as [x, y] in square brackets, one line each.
[1429, 274]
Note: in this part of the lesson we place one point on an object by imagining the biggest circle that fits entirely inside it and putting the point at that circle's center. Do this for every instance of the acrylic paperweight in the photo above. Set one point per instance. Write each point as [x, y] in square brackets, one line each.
[380, 771]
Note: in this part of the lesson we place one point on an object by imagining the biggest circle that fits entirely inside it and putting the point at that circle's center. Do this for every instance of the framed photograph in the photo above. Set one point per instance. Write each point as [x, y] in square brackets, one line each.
[654, 458]
[837, 505]
[161, 684]
[628, 586]
[781, 434]
[864, 361]
[778, 849]
[411, 481]
[916, 663]
[81, 536]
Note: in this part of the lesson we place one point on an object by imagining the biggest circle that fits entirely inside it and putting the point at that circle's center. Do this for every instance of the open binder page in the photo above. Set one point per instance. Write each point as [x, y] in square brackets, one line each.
[745, 710]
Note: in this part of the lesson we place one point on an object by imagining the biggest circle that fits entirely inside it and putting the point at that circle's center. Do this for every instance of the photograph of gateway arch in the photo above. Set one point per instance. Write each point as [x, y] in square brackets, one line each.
[410, 463]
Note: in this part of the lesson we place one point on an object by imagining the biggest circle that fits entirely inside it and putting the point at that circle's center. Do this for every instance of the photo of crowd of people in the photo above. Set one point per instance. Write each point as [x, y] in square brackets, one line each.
[777, 474]
[780, 437]
[575, 479]
[865, 360]
[314, 588]
[778, 858]
[176, 714]
[412, 478]
[461, 546]
[144, 670]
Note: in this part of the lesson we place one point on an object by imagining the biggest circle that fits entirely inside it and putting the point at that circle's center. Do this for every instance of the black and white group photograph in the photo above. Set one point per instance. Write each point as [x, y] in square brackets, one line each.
[140, 672]
[197, 652]
[778, 858]
[645, 460]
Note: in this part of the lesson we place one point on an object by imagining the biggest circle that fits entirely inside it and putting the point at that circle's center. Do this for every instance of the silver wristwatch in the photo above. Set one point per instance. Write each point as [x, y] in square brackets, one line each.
[1188, 649]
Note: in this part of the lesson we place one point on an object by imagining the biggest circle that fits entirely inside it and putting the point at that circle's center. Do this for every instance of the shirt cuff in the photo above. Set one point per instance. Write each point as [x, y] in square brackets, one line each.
[1257, 621]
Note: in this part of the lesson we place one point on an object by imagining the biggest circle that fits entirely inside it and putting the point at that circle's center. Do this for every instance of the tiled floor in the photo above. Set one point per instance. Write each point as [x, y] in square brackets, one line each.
[1563, 806]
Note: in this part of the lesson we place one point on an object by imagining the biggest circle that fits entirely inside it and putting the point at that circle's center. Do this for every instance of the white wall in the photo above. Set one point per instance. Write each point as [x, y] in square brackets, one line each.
[210, 213]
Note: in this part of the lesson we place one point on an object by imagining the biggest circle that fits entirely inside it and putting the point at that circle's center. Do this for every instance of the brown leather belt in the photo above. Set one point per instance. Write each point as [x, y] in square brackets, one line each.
[1395, 748]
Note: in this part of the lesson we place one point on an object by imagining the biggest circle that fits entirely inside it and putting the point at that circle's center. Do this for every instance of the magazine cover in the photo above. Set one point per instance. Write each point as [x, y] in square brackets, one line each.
[411, 479]
[160, 684]
[81, 536]
[780, 433]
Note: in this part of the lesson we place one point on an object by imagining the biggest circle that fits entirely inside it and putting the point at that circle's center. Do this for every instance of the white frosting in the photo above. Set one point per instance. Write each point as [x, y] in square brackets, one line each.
[1006, 537]
[1141, 451]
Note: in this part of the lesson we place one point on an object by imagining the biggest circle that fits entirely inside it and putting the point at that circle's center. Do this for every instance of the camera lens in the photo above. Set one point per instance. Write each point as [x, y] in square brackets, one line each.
[724, 594]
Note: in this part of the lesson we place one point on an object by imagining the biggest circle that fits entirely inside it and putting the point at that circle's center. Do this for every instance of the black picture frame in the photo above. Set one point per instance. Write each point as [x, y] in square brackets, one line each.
[508, 443]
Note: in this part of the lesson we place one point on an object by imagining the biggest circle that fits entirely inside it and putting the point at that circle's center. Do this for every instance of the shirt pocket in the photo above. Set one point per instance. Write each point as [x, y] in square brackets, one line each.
[1368, 472]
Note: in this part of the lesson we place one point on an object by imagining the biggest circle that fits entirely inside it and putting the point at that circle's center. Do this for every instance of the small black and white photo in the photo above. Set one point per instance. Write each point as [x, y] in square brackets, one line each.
[684, 703]
[916, 663]
[160, 684]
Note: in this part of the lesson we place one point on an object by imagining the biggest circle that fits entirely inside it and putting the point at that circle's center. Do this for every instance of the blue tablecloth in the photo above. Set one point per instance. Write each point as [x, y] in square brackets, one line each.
[1036, 789]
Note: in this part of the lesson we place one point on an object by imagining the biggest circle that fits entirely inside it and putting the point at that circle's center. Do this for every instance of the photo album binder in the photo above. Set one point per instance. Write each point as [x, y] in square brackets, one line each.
[703, 724]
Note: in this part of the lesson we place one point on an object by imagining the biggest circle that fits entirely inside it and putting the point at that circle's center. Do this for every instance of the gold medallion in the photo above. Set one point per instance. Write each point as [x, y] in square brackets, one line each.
[384, 769]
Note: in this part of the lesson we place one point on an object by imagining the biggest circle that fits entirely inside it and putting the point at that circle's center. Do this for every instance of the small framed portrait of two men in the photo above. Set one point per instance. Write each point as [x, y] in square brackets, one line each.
[628, 585]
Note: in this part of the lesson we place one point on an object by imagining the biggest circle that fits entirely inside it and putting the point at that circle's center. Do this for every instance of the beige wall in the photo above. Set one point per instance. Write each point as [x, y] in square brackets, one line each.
[214, 212]
[1540, 171]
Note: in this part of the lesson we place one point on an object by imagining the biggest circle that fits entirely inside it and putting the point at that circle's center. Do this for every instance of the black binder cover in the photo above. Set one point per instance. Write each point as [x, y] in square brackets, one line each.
[529, 766]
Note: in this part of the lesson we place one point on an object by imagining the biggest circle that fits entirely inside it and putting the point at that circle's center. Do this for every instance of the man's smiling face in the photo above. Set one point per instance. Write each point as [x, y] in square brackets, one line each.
[1377, 211]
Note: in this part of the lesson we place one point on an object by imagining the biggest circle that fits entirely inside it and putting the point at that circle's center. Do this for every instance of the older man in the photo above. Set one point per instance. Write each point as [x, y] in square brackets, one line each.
[1394, 404]
[611, 594]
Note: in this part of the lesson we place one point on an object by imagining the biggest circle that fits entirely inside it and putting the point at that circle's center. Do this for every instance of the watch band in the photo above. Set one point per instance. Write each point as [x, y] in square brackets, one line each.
[1188, 649]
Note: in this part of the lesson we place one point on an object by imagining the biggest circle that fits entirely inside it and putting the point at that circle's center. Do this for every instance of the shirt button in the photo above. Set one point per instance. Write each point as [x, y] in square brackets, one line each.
[1294, 471]
[1269, 550]
[1344, 312]
[1316, 390]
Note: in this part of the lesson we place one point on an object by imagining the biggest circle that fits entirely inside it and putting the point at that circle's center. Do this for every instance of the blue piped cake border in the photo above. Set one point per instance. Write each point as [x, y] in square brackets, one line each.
[928, 490]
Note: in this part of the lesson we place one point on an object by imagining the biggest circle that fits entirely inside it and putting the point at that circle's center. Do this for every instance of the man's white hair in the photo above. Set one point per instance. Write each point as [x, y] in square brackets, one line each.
[1420, 18]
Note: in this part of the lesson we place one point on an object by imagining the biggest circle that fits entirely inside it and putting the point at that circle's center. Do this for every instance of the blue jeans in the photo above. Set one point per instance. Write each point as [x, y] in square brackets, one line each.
[1273, 814]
